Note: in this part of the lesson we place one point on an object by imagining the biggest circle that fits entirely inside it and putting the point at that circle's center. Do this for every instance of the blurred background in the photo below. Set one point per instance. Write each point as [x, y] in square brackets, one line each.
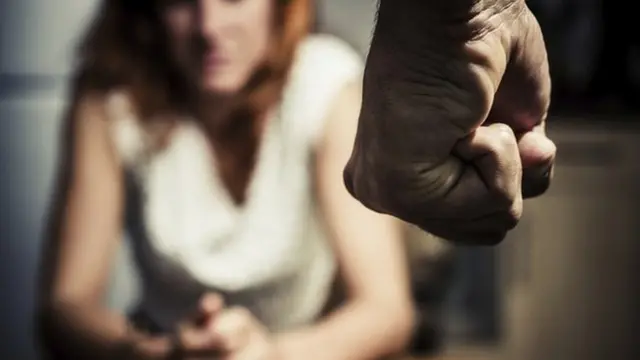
[562, 287]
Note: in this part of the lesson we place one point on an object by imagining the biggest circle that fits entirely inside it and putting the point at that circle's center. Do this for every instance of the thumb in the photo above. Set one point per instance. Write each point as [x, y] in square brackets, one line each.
[538, 154]
[209, 306]
[536, 150]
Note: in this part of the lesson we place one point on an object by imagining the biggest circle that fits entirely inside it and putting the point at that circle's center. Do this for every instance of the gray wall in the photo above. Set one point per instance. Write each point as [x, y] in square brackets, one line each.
[35, 36]
[570, 269]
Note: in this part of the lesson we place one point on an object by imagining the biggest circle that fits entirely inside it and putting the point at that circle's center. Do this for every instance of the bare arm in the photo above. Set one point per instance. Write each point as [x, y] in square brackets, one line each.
[377, 318]
[82, 245]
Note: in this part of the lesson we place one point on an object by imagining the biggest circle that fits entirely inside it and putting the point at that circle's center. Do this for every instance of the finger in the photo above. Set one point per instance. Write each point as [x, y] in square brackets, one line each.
[484, 231]
[191, 336]
[536, 149]
[208, 306]
[493, 150]
[192, 340]
[522, 99]
[538, 155]
[211, 302]
[232, 329]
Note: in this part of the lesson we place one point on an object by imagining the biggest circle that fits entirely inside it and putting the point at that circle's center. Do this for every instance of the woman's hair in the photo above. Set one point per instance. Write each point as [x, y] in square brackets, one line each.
[125, 48]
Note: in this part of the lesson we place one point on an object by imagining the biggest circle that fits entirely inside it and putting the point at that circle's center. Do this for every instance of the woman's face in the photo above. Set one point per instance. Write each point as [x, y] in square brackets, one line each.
[217, 44]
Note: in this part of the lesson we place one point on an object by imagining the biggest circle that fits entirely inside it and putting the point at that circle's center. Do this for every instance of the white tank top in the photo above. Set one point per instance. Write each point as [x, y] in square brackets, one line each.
[269, 255]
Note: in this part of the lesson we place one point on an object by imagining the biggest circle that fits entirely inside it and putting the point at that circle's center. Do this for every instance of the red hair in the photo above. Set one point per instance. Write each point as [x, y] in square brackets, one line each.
[125, 49]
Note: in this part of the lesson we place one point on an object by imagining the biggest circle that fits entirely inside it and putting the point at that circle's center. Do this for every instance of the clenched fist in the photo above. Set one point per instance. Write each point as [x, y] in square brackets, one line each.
[451, 133]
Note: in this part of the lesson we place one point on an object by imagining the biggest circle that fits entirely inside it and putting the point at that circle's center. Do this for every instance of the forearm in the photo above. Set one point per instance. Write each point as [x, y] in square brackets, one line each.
[357, 331]
[83, 332]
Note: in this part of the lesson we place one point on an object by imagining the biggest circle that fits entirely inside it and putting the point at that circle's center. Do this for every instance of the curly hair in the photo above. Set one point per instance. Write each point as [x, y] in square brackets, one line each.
[125, 48]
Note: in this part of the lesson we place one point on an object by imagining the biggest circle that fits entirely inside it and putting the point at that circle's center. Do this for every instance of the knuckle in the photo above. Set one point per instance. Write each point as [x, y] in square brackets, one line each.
[233, 324]
[413, 193]
[513, 217]
[504, 136]
[503, 149]
[502, 195]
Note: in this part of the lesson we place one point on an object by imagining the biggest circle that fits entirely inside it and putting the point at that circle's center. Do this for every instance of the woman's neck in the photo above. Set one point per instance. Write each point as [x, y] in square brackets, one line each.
[213, 110]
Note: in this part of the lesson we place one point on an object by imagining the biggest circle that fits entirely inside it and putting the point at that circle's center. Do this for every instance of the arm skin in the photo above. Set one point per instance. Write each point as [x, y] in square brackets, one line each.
[368, 245]
[85, 237]
[377, 318]
[81, 246]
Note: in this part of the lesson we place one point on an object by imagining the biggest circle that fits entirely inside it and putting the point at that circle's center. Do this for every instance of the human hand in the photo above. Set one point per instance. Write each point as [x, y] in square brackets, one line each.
[451, 134]
[216, 332]
[195, 338]
[240, 336]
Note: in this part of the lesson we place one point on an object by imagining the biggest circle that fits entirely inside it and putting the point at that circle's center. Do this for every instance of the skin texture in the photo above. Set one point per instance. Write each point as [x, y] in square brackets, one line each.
[368, 246]
[451, 133]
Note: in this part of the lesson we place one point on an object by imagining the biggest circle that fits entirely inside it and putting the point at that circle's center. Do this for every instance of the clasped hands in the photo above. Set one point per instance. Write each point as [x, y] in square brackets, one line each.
[223, 333]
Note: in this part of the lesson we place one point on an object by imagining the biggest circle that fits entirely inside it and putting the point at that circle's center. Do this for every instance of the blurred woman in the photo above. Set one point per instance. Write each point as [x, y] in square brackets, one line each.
[210, 130]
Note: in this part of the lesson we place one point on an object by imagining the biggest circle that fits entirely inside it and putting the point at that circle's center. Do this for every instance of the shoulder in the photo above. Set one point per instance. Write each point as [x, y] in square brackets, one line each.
[125, 128]
[322, 55]
[323, 68]
[327, 47]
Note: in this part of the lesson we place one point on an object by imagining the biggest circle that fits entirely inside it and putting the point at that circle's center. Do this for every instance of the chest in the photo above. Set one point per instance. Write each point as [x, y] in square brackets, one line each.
[188, 209]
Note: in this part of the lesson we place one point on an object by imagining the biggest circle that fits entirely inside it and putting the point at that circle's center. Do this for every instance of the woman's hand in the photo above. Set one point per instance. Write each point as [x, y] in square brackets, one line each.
[240, 336]
[195, 338]
[216, 332]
